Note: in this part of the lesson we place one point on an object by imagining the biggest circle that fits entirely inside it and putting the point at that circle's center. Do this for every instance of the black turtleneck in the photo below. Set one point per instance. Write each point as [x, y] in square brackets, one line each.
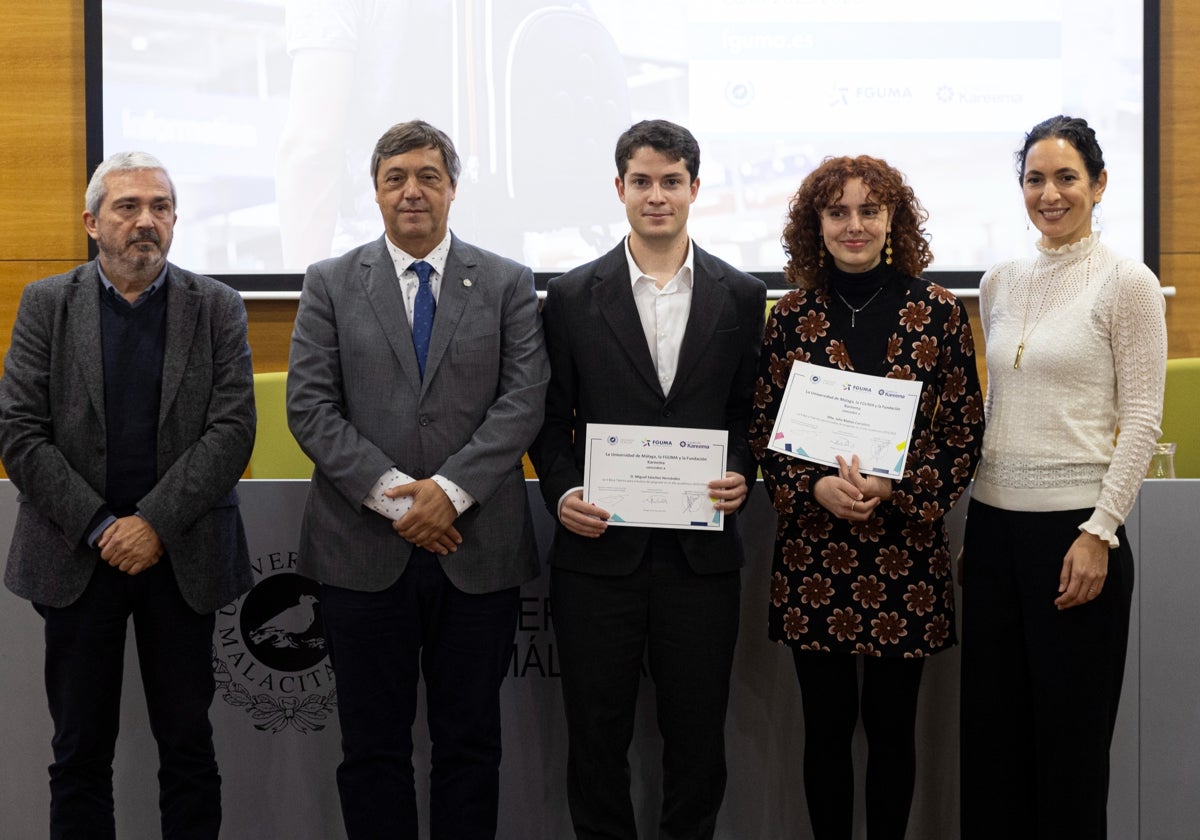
[878, 295]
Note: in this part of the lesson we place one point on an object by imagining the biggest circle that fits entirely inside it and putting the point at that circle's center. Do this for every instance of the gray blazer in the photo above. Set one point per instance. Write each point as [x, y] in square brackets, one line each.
[602, 372]
[52, 437]
[357, 406]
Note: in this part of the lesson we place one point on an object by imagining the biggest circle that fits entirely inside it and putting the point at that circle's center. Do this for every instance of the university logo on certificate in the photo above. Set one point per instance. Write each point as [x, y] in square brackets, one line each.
[827, 412]
[655, 476]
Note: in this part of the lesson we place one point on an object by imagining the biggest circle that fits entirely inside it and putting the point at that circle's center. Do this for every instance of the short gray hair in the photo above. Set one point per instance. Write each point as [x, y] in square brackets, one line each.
[120, 162]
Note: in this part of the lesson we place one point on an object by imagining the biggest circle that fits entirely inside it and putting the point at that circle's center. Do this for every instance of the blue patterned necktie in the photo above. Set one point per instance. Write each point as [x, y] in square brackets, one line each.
[423, 308]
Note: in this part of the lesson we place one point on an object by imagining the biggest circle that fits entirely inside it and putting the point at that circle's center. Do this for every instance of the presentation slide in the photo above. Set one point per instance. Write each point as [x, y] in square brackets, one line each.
[266, 112]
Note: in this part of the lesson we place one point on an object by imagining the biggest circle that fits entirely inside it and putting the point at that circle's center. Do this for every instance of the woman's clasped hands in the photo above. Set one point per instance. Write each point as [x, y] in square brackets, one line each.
[850, 495]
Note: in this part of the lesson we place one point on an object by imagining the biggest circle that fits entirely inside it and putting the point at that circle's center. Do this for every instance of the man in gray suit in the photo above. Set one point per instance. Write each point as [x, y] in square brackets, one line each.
[656, 332]
[416, 381]
[126, 419]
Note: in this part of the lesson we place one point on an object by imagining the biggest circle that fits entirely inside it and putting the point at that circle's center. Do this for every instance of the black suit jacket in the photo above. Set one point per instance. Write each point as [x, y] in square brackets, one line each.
[601, 372]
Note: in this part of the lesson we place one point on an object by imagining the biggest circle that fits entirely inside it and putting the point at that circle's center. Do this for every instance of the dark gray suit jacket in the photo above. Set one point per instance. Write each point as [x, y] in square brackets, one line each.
[52, 437]
[602, 372]
[358, 406]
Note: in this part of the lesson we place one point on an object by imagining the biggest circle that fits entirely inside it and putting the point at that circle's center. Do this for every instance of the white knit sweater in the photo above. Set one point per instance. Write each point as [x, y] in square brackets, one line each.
[1094, 360]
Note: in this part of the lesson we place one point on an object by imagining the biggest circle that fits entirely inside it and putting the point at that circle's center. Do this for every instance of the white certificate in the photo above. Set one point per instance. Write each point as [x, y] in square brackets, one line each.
[828, 412]
[654, 476]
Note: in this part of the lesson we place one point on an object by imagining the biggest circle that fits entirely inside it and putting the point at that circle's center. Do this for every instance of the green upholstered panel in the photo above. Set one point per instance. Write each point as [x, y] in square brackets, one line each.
[276, 453]
[1181, 415]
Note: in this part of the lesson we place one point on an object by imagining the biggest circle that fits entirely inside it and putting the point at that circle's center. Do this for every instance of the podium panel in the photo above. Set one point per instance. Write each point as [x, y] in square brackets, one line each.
[277, 737]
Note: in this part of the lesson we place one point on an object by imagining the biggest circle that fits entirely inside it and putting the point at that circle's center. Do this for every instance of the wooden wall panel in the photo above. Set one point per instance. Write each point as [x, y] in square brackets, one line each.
[270, 332]
[42, 144]
[1180, 177]
[1180, 127]
[1183, 311]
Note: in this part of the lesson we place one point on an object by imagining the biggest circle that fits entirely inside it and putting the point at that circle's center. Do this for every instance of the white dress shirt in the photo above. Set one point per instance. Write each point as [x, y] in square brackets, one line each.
[664, 314]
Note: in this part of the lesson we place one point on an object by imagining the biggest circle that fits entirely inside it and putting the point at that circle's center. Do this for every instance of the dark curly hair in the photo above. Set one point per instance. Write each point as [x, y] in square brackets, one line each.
[822, 188]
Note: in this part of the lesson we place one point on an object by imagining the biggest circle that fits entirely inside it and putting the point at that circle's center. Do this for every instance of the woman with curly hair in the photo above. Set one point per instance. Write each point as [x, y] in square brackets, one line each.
[1077, 348]
[862, 563]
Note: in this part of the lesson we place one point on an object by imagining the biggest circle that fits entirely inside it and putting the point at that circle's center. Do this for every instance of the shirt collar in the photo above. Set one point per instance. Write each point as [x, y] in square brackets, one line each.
[158, 283]
[436, 258]
[685, 273]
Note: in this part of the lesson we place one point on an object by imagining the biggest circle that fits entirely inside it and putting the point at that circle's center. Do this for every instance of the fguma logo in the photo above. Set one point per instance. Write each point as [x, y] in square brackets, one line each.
[269, 655]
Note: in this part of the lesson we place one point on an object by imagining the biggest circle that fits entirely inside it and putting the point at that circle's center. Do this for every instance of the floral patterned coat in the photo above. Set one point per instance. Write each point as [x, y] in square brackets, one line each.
[882, 587]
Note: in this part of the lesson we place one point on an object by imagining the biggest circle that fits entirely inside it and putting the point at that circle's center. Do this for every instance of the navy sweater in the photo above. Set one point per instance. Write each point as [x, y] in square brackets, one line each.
[134, 341]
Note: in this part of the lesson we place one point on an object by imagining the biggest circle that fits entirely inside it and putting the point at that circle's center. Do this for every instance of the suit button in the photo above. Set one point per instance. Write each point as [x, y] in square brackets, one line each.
[667, 412]
[424, 420]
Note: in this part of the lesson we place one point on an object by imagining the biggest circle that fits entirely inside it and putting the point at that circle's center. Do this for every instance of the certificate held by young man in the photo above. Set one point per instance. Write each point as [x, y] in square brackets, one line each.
[655, 476]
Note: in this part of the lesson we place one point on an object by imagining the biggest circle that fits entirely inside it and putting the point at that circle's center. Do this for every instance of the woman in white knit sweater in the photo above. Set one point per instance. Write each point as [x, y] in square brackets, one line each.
[1076, 349]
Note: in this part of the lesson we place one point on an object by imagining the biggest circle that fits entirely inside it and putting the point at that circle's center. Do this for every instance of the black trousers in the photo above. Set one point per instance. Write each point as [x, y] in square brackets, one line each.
[462, 644]
[687, 625]
[829, 687]
[1040, 686]
[85, 652]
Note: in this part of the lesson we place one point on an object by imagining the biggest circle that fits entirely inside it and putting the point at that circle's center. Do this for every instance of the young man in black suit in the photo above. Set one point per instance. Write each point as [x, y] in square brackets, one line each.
[656, 332]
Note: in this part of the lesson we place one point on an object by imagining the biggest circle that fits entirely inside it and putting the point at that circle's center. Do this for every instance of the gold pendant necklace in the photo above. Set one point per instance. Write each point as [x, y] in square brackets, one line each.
[1037, 320]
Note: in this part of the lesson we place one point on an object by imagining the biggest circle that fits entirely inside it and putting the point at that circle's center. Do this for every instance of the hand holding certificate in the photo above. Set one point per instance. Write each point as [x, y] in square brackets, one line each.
[827, 412]
[655, 476]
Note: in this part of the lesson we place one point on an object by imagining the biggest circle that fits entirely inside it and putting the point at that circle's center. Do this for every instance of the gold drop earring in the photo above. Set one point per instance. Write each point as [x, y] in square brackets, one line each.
[821, 256]
[887, 250]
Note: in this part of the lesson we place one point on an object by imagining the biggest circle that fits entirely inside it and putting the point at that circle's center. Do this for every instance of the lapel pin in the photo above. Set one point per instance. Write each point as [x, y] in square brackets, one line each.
[467, 282]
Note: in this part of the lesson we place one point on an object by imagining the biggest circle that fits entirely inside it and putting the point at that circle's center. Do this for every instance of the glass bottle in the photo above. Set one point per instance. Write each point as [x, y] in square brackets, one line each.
[1162, 462]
